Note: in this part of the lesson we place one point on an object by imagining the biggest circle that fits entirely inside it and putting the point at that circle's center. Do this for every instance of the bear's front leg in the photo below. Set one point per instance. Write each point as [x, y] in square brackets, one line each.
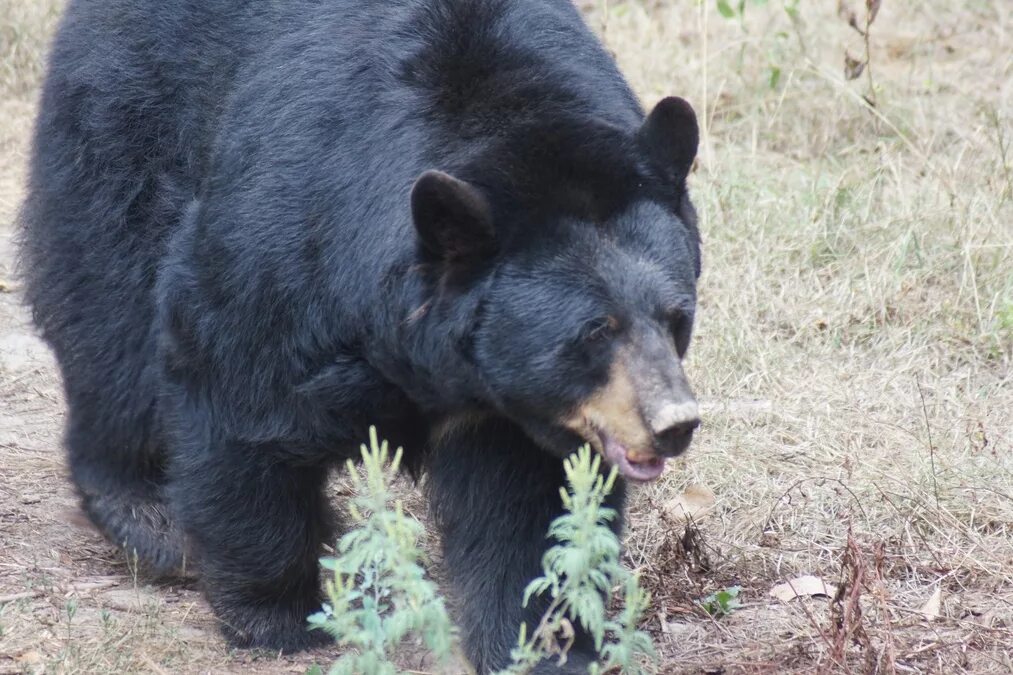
[494, 494]
[257, 523]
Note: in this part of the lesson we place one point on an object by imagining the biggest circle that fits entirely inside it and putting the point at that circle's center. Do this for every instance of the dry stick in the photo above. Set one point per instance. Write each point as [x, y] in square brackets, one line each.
[702, 25]
[983, 488]
[155, 668]
[851, 616]
[907, 518]
[858, 502]
[880, 594]
[932, 448]
[4, 599]
[871, 9]
[95, 585]
[942, 618]
[11, 382]
[823, 635]
[1003, 144]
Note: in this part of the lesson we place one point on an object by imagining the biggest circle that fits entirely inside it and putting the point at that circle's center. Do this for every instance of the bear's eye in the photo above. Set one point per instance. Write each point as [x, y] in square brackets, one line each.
[600, 328]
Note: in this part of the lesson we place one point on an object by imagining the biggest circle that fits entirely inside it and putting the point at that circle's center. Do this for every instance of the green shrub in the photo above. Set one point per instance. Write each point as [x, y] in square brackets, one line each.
[579, 574]
[380, 595]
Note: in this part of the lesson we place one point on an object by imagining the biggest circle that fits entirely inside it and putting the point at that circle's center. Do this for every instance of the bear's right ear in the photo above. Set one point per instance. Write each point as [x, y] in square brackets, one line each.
[670, 134]
[452, 218]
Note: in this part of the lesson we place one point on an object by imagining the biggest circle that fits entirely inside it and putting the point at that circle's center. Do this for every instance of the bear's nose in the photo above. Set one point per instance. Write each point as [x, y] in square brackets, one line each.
[674, 440]
[673, 427]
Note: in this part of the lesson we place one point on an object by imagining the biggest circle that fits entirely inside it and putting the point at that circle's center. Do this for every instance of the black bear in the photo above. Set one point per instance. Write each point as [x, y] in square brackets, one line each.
[255, 229]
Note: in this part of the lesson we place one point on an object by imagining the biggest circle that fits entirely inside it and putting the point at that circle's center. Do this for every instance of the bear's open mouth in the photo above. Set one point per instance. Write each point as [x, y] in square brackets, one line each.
[619, 456]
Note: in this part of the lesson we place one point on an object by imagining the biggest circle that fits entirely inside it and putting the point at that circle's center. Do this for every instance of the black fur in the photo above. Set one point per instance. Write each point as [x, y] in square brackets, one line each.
[219, 247]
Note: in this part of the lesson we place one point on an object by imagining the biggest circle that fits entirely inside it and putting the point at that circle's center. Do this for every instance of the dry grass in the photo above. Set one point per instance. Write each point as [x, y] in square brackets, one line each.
[25, 28]
[854, 350]
[858, 283]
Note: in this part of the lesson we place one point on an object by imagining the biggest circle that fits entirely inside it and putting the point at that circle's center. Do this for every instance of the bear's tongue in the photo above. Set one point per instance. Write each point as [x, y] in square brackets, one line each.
[617, 455]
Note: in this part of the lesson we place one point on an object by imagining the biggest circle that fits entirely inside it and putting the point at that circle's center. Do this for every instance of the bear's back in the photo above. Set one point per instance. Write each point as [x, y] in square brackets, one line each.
[299, 128]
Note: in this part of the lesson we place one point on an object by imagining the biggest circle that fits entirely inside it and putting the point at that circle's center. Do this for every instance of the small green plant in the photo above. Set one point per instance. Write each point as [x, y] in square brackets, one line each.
[721, 603]
[728, 11]
[778, 56]
[579, 575]
[1004, 316]
[380, 595]
[71, 608]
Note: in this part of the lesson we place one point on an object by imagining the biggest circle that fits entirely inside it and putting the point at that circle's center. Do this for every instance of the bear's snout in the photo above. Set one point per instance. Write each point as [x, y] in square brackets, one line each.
[672, 438]
[644, 413]
[665, 397]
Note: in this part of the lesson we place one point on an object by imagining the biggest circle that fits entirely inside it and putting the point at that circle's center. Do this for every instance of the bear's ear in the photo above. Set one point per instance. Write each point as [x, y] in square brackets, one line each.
[670, 135]
[452, 218]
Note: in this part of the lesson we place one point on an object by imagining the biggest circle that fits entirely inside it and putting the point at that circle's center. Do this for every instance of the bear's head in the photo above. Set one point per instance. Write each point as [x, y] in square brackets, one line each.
[577, 249]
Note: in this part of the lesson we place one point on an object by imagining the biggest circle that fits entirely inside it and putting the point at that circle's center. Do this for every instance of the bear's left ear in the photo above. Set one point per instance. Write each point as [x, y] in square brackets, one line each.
[452, 218]
[670, 135]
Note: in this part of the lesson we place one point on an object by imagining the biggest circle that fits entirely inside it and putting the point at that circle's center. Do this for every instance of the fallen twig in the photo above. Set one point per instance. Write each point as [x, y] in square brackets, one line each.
[24, 595]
